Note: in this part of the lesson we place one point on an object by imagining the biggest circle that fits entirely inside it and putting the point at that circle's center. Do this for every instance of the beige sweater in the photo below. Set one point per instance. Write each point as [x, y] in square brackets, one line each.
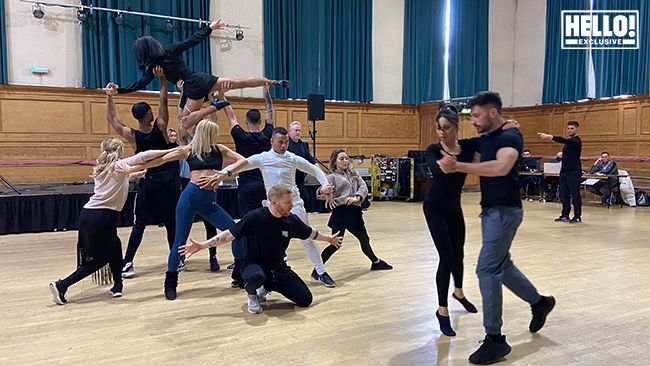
[112, 189]
[346, 185]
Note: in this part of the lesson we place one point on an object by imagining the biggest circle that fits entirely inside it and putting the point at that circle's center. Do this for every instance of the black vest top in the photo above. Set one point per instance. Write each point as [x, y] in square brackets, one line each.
[213, 160]
[154, 140]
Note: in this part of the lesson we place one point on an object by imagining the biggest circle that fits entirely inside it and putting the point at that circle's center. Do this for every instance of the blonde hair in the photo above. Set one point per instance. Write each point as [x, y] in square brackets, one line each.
[205, 137]
[293, 124]
[278, 190]
[112, 149]
[335, 155]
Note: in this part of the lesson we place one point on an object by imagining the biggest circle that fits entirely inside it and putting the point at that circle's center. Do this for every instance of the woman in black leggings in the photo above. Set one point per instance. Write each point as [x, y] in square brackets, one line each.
[443, 212]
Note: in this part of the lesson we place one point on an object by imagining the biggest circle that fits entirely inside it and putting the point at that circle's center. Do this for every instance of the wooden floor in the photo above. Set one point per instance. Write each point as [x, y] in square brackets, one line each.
[598, 272]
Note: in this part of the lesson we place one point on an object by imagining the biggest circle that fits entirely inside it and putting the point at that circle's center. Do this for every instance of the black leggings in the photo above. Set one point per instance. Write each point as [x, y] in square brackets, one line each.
[155, 200]
[283, 280]
[349, 218]
[447, 227]
[570, 192]
[98, 238]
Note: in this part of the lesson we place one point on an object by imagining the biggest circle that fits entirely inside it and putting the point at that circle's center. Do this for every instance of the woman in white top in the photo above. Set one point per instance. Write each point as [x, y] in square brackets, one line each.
[98, 242]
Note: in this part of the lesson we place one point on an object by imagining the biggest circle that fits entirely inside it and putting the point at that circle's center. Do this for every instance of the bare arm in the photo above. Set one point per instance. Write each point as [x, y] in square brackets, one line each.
[111, 117]
[334, 239]
[228, 153]
[163, 110]
[268, 102]
[222, 238]
[173, 155]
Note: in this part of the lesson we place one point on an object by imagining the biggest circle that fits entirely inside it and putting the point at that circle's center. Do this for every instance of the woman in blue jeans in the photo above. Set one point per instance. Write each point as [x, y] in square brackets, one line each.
[203, 155]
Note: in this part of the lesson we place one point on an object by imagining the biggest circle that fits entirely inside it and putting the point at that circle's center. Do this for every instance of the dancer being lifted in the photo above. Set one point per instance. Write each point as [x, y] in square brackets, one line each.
[149, 53]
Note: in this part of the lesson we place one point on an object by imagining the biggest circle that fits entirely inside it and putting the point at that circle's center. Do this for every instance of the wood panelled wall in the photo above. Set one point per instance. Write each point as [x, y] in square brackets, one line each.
[43, 126]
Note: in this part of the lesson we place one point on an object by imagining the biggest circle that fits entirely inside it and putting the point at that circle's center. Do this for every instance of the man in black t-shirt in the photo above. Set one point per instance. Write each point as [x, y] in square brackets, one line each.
[267, 231]
[501, 216]
[570, 173]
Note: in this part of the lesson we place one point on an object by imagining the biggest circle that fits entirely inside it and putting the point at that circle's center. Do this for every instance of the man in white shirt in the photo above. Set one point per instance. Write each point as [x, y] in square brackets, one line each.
[278, 166]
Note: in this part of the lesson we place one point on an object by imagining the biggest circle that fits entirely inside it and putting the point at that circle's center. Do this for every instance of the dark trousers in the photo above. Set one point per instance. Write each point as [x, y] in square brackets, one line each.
[249, 197]
[447, 227]
[98, 238]
[351, 221]
[155, 201]
[570, 192]
[283, 280]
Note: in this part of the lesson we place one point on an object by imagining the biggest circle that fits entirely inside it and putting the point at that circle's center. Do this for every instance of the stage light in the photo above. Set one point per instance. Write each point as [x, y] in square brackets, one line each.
[239, 34]
[169, 26]
[82, 15]
[37, 10]
[119, 18]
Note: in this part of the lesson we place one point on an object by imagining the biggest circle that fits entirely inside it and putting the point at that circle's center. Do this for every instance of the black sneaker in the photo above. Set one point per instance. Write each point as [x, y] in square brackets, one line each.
[490, 351]
[214, 264]
[540, 312]
[58, 296]
[231, 267]
[237, 284]
[576, 220]
[314, 275]
[381, 265]
[283, 83]
[562, 219]
[116, 290]
[324, 278]
[219, 104]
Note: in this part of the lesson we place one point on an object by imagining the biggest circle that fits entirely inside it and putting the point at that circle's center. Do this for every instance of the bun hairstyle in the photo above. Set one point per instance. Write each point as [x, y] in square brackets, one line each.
[449, 111]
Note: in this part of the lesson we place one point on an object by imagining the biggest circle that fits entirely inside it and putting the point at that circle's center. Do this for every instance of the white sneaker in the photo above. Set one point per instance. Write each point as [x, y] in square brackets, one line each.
[254, 306]
[262, 294]
[128, 270]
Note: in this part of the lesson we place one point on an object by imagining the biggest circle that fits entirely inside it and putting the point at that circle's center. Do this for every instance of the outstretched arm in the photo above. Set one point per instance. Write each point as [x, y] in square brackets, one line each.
[111, 117]
[268, 103]
[163, 110]
[172, 155]
[195, 38]
[138, 85]
[222, 238]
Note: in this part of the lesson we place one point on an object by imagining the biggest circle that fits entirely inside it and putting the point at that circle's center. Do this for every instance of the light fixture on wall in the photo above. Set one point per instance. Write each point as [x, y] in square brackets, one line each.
[118, 18]
[37, 10]
[169, 26]
[82, 15]
[239, 34]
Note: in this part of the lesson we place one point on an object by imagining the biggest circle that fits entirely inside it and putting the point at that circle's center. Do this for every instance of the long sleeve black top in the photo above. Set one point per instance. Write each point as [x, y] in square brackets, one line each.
[570, 152]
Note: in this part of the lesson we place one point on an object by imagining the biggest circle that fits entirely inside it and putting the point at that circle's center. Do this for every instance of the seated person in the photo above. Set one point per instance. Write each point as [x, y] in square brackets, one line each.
[530, 165]
[603, 166]
[551, 183]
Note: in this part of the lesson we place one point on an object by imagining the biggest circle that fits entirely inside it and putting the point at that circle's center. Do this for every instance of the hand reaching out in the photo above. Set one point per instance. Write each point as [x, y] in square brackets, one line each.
[545, 136]
[111, 89]
[217, 24]
[336, 240]
[159, 72]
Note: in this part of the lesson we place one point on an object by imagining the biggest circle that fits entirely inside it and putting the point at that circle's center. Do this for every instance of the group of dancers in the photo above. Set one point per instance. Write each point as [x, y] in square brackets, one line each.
[271, 209]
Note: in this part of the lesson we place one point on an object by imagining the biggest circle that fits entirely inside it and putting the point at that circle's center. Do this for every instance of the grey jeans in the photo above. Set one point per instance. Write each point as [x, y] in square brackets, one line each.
[499, 225]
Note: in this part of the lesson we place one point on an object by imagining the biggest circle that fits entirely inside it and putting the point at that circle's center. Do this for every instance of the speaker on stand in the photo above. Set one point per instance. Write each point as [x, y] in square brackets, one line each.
[315, 112]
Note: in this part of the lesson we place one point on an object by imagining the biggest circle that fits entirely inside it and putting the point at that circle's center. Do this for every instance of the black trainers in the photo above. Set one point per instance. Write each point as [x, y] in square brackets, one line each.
[214, 264]
[576, 220]
[540, 312]
[283, 83]
[492, 350]
[562, 219]
[380, 266]
[324, 278]
[116, 290]
[237, 284]
[219, 104]
[58, 296]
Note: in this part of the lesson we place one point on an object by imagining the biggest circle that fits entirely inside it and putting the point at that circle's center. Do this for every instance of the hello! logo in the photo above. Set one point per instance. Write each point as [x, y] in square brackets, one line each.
[600, 29]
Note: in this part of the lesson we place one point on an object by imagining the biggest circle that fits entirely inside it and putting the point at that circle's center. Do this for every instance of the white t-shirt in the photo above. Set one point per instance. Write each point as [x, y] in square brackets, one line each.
[281, 169]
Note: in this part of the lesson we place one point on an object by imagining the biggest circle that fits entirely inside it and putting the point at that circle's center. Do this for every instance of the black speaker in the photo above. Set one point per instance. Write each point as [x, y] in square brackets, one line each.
[316, 107]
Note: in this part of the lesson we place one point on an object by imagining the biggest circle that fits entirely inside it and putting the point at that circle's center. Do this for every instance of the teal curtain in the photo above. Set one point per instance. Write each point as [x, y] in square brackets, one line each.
[322, 46]
[468, 47]
[565, 71]
[424, 51]
[107, 49]
[621, 72]
[4, 77]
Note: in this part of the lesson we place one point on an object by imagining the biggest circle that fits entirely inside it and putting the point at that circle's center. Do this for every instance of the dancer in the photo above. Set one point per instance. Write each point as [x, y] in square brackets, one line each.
[203, 155]
[443, 212]
[97, 239]
[157, 194]
[570, 172]
[300, 148]
[501, 216]
[278, 166]
[267, 231]
[150, 53]
[349, 192]
[250, 185]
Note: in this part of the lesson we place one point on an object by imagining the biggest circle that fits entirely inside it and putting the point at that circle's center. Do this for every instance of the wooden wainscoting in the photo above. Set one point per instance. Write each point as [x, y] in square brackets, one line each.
[45, 127]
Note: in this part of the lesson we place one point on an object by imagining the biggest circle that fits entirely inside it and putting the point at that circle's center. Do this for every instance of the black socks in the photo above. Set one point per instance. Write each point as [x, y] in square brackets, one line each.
[466, 304]
[445, 325]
